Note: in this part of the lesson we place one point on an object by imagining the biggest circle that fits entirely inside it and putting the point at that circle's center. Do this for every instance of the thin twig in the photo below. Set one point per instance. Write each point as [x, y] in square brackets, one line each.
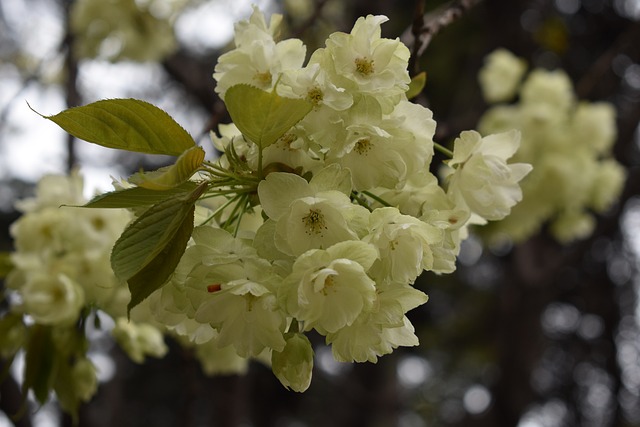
[416, 28]
[603, 64]
[435, 21]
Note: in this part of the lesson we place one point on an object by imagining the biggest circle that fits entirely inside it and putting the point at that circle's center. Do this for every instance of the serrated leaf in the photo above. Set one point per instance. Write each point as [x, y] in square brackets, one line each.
[160, 268]
[127, 124]
[137, 196]
[39, 363]
[261, 116]
[174, 175]
[144, 239]
[417, 84]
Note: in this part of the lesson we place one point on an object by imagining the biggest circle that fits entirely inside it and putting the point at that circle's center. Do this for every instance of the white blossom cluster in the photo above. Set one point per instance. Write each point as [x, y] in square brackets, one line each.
[124, 29]
[61, 258]
[346, 217]
[61, 272]
[568, 142]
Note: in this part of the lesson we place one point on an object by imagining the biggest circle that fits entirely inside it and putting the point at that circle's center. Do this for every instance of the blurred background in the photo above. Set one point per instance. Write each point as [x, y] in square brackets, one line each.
[529, 335]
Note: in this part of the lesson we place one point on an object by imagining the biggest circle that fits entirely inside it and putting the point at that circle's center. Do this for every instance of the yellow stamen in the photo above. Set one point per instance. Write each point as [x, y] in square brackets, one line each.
[314, 222]
[364, 66]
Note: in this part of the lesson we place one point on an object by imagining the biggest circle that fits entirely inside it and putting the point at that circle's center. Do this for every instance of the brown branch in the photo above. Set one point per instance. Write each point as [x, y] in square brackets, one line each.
[603, 64]
[73, 97]
[416, 28]
[435, 21]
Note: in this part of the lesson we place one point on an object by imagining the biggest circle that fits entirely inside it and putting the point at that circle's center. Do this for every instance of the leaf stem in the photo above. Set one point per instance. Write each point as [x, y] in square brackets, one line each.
[260, 163]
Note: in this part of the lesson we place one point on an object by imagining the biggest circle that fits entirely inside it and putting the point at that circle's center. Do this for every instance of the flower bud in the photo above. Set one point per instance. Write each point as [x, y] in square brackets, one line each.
[294, 364]
[85, 381]
[139, 339]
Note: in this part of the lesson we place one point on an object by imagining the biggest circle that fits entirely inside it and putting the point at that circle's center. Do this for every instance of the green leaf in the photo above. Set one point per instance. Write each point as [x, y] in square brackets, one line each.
[13, 334]
[63, 386]
[127, 124]
[261, 116]
[138, 196]
[417, 84]
[174, 175]
[39, 371]
[5, 264]
[159, 269]
[147, 236]
[154, 241]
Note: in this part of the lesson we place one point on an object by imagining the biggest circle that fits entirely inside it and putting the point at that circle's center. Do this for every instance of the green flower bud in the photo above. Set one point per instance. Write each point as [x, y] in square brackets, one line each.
[85, 382]
[294, 364]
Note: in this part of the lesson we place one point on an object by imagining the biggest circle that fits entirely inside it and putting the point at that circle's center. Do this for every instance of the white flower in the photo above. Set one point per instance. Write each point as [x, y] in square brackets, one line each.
[257, 59]
[384, 150]
[171, 307]
[364, 62]
[53, 240]
[607, 184]
[378, 331]
[551, 88]
[53, 191]
[482, 179]
[313, 84]
[403, 243]
[124, 29]
[594, 124]
[246, 315]
[501, 75]
[256, 28]
[572, 225]
[139, 340]
[307, 217]
[328, 289]
[52, 299]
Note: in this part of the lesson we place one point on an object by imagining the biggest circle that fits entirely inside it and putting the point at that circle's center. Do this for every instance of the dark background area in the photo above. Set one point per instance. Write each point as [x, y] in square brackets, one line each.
[535, 335]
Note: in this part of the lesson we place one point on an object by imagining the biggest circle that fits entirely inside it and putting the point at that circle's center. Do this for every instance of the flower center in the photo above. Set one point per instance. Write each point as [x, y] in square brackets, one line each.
[286, 141]
[328, 284]
[364, 66]
[314, 222]
[315, 95]
[363, 146]
[263, 79]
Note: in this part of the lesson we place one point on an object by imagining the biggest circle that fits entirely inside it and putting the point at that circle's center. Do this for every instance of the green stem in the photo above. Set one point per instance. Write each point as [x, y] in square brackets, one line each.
[243, 209]
[377, 199]
[220, 209]
[361, 201]
[443, 150]
[234, 215]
